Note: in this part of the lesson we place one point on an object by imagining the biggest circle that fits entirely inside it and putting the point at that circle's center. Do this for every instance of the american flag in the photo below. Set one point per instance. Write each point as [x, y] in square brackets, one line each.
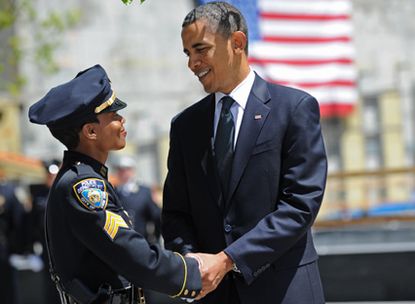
[305, 44]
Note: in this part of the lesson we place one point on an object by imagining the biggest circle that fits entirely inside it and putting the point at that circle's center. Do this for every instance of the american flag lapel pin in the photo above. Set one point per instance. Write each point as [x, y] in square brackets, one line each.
[257, 116]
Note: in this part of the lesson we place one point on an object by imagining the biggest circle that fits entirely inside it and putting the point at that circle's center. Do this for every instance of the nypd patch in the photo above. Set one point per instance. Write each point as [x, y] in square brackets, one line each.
[92, 193]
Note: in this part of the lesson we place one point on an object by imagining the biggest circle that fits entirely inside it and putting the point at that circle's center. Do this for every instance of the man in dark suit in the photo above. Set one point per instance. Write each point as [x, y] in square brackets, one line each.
[247, 172]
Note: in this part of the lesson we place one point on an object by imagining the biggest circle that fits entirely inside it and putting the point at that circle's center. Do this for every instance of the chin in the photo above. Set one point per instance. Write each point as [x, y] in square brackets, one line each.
[208, 90]
[120, 146]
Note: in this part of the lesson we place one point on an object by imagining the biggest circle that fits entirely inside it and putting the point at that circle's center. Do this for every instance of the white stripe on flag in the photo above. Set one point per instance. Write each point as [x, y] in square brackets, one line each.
[305, 28]
[322, 73]
[301, 51]
[334, 95]
[334, 7]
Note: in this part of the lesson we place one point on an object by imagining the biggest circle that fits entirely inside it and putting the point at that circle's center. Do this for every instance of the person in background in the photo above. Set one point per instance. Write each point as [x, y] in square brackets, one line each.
[246, 172]
[95, 254]
[39, 194]
[12, 238]
[137, 200]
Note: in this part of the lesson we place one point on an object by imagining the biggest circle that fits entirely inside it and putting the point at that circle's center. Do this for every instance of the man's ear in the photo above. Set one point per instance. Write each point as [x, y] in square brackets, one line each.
[89, 131]
[239, 42]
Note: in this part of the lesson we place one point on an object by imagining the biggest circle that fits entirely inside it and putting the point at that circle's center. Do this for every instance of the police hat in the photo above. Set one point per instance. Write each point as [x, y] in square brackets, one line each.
[72, 103]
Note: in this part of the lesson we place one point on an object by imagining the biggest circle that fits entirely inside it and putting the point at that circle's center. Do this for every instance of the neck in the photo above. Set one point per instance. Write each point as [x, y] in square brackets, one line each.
[241, 74]
[94, 153]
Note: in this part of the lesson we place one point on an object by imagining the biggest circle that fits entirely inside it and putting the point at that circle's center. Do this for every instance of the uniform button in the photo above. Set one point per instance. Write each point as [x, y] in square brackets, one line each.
[228, 228]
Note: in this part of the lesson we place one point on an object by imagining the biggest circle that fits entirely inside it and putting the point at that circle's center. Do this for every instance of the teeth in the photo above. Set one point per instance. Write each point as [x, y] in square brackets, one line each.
[201, 74]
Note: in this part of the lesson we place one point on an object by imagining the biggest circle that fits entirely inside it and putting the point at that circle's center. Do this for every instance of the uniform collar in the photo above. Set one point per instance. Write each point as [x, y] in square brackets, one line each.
[73, 157]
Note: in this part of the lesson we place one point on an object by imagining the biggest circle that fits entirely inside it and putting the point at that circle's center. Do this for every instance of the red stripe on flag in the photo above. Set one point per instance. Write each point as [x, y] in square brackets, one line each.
[306, 39]
[337, 110]
[303, 17]
[308, 85]
[259, 61]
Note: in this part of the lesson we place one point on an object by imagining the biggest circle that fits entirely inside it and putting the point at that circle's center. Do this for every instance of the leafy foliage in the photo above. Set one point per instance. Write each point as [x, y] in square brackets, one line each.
[46, 33]
[131, 1]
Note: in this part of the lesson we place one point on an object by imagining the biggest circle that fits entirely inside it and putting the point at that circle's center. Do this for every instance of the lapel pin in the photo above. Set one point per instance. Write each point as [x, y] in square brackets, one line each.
[258, 116]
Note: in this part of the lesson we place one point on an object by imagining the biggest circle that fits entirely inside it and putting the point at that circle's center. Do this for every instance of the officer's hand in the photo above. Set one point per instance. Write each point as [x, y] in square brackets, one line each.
[213, 267]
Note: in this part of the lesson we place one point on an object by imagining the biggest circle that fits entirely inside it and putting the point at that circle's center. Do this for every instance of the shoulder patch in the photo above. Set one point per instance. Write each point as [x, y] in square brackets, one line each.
[92, 193]
[113, 222]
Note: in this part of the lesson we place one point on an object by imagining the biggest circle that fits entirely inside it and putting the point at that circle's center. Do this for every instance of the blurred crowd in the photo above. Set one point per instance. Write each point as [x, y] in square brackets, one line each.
[22, 235]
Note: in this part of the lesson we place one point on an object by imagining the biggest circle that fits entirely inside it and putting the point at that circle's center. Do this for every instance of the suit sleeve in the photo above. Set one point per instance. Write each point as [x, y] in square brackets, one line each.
[106, 232]
[301, 189]
[177, 227]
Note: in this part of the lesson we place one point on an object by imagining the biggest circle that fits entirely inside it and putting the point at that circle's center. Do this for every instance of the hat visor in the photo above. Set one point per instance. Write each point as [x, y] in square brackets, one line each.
[116, 105]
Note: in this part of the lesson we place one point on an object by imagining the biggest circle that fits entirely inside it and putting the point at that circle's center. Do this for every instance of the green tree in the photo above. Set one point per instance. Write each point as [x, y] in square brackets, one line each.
[45, 31]
[131, 1]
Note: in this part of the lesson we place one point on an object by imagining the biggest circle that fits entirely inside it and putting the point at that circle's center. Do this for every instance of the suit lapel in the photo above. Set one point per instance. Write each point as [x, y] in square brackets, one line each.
[255, 114]
[208, 162]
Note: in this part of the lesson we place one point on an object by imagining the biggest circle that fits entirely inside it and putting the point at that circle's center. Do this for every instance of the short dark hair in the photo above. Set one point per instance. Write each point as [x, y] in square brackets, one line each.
[69, 136]
[222, 18]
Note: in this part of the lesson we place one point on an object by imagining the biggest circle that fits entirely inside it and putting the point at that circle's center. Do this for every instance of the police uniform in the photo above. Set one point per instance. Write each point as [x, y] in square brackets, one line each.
[138, 200]
[96, 256]
[39, 194]
[12, 240]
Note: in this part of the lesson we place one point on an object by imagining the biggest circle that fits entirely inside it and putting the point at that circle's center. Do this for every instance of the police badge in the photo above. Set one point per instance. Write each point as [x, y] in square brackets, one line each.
[91, 192]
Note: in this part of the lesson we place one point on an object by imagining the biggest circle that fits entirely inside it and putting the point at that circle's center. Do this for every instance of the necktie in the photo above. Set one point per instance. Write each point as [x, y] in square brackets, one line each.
[224, 139]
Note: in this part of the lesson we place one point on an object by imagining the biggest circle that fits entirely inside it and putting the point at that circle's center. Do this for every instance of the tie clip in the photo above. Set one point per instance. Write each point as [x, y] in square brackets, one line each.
[258, 116]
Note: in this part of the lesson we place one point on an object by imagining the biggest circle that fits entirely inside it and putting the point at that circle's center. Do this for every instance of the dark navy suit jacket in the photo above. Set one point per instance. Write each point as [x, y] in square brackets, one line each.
[276, 188]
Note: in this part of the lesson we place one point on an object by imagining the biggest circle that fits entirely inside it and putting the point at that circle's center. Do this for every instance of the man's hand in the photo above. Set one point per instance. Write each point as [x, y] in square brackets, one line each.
[213, 267]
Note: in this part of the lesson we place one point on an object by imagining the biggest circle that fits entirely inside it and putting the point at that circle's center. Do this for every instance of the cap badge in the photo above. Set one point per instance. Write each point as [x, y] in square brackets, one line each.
[105, 104]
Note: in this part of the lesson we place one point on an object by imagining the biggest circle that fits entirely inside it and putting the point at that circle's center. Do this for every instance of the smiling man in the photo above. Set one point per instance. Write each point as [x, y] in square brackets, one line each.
[95, 255]
[246, 172]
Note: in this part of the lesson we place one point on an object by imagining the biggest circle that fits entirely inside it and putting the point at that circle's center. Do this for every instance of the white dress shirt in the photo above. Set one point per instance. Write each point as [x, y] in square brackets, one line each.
[240, 94]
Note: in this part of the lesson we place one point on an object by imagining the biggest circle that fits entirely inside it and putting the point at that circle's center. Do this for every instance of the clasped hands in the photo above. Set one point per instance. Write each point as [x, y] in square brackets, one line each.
[213, 268]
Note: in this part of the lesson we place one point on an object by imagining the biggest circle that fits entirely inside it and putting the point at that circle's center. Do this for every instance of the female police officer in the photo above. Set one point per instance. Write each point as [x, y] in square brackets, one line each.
[95, 254]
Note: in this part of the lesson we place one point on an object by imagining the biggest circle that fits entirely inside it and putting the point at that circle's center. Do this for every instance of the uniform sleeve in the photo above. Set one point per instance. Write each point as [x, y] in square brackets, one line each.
[301, 189]
[104, 228]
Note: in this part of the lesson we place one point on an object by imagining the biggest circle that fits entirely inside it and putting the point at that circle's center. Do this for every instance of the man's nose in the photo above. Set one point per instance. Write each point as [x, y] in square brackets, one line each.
[193, 62]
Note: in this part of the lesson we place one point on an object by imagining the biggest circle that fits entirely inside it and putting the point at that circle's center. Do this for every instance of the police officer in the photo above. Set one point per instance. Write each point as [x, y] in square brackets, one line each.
[95, 255]
[137, 200]
[12, 239]
[40, 193]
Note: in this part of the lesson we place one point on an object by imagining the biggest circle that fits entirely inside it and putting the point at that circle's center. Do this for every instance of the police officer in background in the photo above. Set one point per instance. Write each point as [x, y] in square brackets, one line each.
[40, 193]
[96, 256]
[12, 239]
[137, 200]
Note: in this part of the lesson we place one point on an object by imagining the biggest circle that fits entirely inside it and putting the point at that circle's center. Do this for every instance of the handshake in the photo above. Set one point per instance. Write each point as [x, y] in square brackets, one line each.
[213, 268]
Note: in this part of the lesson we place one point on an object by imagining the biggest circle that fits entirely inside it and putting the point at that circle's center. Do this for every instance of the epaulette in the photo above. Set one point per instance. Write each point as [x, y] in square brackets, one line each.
[82, 169]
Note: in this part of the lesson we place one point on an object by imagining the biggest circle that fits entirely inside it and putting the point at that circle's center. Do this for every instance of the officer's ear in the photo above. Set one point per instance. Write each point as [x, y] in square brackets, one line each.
[89, 131]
